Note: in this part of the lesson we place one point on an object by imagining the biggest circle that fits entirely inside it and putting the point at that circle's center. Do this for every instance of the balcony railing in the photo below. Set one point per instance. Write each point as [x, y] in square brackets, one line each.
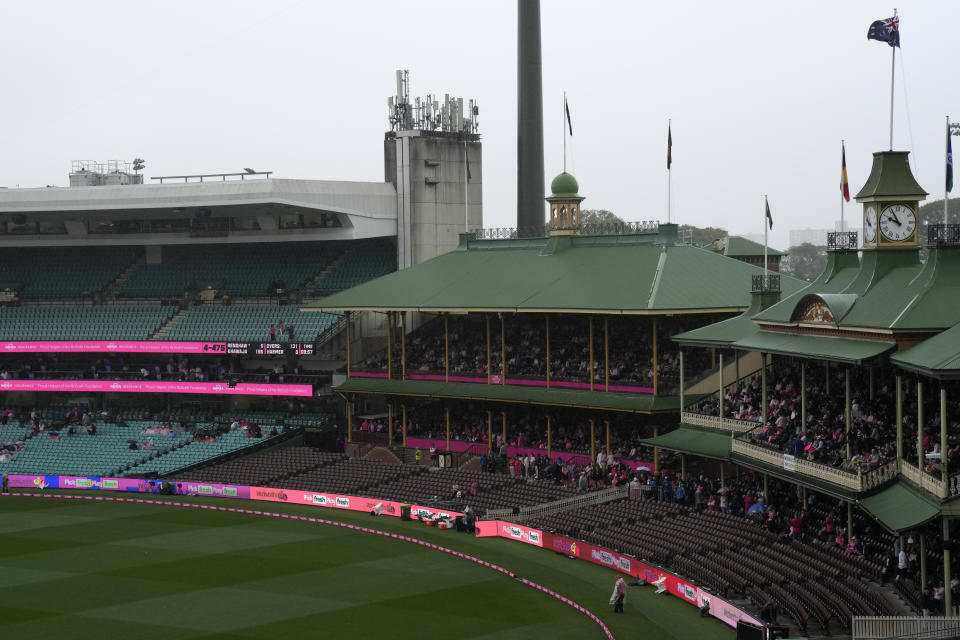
[765, 283]
[718, 423]
[841, 240]
[939, 235]
[595, 229]
[924, 480]
[856, 482]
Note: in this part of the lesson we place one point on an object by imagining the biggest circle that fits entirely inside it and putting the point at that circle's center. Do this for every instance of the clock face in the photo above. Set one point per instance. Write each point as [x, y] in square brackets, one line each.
[898, 222]
[870, 224]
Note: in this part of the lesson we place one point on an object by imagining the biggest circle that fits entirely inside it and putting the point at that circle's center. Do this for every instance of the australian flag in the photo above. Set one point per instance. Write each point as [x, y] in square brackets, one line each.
[886, 31]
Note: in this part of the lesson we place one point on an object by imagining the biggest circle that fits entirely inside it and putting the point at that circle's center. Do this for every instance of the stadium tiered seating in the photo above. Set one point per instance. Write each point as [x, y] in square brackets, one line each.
[249, 322]
[62, 272]
[110, 322]
[351, 476]
[267, 468]
[237, 269]
[105, 454]
[193, 453]
[731, 554]
[364, 261]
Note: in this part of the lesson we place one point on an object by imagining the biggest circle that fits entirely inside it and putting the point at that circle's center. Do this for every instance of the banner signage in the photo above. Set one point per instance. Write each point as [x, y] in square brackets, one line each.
[151, 386]
[158, 346]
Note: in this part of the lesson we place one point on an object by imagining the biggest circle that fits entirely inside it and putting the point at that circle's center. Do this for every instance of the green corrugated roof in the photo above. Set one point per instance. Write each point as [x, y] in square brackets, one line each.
[721, 334]
[900, 507]
[938, 356]
[612, 274]
[710, 444]
[890, 177]
[631, 402]
[893, 291]
[739, 246]
[814, 346]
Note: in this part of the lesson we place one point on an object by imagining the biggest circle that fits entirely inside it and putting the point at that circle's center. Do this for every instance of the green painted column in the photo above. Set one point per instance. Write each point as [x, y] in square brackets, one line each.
[944, 444]
[899, 395]
[920, 423]
[721, 385]
[763, 386]
[803, 394]
[846, 408]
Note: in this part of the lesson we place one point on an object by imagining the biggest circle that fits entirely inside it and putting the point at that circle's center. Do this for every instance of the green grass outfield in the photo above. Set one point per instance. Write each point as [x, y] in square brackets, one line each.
[84, 569]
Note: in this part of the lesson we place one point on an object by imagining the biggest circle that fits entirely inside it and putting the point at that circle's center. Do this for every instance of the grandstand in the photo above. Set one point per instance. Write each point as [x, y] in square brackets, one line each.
[787, 446]
[100, 322]
[248, 323]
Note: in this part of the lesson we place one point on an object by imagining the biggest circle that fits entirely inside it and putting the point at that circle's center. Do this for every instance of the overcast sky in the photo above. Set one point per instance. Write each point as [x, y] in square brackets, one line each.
[760, 94]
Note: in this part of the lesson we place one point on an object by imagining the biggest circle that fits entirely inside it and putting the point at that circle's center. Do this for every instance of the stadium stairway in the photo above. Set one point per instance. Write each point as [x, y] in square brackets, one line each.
[110, 292]
[306, 291]
[169, 324]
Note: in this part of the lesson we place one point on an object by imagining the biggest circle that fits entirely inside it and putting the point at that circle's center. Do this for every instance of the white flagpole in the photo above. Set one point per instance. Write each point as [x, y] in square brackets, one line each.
[563, 122]
[766, 206]
[669, 170]
[893, 63]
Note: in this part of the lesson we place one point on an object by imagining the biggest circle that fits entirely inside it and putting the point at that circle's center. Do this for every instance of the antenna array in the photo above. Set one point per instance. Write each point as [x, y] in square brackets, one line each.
[451, 115]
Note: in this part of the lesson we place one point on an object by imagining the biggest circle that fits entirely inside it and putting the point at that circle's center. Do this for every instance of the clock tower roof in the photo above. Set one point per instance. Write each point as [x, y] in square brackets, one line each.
[891, 179]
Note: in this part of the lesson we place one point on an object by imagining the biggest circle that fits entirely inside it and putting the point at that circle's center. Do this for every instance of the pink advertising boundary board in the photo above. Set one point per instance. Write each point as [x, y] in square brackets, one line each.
[110, 346]
[158, 386]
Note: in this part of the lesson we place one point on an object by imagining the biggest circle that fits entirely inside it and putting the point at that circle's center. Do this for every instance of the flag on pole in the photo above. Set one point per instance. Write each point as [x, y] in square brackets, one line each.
[949, 163]
[885, 31]
[669, 147]
[844, 185]
[769, 217]
[566, 108]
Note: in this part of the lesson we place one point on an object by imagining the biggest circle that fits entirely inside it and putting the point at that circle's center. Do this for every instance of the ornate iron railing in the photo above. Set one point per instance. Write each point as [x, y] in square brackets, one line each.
[943, 234]
[764, 283]
[841, 240]
[619, 228]
[597, 229]
[848, 480]
[717, 423]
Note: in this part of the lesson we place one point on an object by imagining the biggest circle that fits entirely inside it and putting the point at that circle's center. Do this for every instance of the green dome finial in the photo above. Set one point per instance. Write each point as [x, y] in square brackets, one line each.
[564, 186]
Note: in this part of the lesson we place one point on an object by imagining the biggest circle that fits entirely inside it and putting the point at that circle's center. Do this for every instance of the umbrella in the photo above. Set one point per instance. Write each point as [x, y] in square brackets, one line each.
[643, 468]
[757, 508]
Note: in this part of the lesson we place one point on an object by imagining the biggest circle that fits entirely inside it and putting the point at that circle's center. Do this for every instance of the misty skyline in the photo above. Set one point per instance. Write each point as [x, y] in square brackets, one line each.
[760, 96]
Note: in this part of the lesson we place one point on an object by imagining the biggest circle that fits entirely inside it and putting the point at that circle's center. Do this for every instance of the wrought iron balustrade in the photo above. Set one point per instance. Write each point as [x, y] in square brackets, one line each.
[837, 240]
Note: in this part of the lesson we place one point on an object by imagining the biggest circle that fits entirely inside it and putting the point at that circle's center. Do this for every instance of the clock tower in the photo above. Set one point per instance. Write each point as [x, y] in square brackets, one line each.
[891, 203]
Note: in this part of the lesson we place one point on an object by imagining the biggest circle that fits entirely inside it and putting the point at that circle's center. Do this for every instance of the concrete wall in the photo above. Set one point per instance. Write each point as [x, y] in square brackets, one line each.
[430, 178]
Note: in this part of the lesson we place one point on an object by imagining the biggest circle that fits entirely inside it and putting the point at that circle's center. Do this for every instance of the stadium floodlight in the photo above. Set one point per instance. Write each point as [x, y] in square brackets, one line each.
[139, 164]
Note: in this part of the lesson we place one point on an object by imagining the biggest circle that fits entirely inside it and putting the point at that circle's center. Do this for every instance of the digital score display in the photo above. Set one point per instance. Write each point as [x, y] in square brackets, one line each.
[268, 348]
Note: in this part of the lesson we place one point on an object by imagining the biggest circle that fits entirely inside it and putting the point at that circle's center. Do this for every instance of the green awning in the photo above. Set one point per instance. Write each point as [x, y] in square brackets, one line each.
[851, 350]
[628, 402]
[938, 357]
[900, 507]
[710, 444]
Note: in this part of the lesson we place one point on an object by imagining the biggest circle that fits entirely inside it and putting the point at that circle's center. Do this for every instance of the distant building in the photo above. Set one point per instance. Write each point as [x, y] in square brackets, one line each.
[746, 250]
[817, 237]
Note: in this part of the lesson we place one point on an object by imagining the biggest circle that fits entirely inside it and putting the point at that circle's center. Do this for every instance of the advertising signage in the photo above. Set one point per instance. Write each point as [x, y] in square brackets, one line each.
[149, 386]
[158, 346]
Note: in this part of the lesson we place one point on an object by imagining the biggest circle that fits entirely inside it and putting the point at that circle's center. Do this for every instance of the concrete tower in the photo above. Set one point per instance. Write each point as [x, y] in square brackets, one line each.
[433, 156]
